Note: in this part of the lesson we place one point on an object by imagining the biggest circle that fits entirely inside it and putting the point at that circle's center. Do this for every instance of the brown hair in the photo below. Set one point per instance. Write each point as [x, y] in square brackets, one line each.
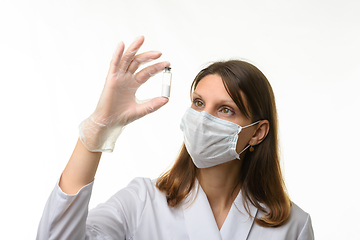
[261, 178]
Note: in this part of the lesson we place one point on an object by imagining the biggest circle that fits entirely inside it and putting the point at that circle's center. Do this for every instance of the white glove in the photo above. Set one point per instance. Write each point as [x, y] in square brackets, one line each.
[118, 105]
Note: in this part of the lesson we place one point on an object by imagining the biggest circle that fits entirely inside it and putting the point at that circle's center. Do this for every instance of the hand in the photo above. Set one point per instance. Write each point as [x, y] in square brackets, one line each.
[118, 105]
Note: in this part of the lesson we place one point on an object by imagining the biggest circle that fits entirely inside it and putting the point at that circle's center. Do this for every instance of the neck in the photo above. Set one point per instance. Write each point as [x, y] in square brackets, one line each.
[221, 184]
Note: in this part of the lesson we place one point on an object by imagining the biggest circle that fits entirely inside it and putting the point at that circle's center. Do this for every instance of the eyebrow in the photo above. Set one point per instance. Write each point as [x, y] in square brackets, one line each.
[196, 94]
[222, 101]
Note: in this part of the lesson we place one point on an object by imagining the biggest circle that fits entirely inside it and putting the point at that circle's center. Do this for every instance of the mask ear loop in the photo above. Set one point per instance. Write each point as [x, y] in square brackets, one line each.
[244, 150]
[251, 147]
[252, 124]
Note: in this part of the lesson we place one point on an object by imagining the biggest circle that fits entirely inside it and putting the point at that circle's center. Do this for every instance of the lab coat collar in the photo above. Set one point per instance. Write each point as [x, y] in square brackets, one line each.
[238, 222]
[201, 223]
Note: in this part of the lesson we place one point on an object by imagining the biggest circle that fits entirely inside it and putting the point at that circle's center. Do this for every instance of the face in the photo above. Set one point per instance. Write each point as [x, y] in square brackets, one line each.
[211, 96]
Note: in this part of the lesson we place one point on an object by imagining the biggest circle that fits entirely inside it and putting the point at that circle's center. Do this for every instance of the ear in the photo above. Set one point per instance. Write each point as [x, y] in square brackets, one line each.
[262, 130]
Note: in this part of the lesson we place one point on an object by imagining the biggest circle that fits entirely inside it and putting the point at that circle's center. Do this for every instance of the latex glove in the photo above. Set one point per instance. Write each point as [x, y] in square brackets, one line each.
[118, 105]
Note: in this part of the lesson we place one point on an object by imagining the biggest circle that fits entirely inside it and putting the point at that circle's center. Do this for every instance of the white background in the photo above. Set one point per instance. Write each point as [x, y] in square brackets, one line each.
[54, 57]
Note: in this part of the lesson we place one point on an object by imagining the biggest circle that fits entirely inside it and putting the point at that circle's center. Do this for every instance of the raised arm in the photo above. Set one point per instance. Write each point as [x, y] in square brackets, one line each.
[116, 108]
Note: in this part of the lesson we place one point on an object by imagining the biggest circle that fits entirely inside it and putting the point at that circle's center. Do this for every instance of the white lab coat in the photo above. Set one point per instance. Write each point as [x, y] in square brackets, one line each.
[140, 211]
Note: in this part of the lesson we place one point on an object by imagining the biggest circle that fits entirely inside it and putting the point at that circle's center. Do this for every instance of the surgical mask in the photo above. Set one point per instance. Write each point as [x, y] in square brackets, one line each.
[209, 140]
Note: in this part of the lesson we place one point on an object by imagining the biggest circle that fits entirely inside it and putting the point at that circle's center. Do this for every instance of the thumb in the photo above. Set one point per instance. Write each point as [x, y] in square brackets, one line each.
[152, 105]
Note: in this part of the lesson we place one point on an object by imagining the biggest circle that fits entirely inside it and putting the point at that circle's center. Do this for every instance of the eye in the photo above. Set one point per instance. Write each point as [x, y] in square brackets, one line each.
[227, 110]
[198, 103]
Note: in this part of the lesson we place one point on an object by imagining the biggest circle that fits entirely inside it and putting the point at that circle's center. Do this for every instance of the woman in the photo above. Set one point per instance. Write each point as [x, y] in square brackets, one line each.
[225, 184]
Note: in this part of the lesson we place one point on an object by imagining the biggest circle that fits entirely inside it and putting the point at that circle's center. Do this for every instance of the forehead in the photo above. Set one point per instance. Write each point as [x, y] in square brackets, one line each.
[211, 85]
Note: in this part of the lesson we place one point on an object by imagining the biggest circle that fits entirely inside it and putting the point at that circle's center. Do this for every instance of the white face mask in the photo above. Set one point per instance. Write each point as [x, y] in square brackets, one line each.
[210, 140]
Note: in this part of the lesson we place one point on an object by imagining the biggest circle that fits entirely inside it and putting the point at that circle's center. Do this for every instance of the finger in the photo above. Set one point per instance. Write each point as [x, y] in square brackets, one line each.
[142, 76]
[152, 105]
[115, 61]
[142, 59]
[130, 53]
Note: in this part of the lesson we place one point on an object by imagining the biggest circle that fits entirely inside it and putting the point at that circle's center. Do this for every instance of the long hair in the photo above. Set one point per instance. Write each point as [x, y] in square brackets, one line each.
[261, 180]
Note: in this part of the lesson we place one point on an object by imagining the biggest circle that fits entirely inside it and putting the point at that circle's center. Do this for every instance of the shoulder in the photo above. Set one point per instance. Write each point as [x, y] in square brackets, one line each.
[298, 216]
[300, 221]
[140, 190]
[298, 227]
[122, 213]
[135, 195]
[142, 185]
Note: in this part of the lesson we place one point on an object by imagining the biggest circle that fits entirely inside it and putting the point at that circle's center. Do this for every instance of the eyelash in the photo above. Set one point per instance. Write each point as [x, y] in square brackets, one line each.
[231, 111]
[196, 101]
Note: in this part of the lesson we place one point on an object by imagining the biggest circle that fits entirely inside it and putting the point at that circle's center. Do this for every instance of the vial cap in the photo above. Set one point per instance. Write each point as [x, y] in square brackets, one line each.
[167, 69]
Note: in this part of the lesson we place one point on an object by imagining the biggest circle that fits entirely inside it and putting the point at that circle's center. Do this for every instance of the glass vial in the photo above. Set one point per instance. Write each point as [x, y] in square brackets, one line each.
[166, 82]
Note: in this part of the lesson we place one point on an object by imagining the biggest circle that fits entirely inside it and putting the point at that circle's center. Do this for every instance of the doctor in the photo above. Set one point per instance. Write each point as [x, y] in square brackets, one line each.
[225, 184]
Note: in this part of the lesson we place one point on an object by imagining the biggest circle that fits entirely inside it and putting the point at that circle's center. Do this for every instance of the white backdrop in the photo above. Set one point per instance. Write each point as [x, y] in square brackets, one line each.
[54, 58]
